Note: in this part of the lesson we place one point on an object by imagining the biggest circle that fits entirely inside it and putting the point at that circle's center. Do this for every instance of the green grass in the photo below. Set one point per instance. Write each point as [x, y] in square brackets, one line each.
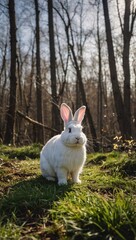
[21, 153]
[102, 207]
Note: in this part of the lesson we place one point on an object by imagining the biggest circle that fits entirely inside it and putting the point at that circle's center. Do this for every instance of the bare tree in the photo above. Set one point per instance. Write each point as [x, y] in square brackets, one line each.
[39, 132]
[70, 42]
[113, 72]
[127, 34]
[127, 31]
[64, 67]
[2, 72]
[28, 98]
[100, 94]
[55, 113]
[11, 113]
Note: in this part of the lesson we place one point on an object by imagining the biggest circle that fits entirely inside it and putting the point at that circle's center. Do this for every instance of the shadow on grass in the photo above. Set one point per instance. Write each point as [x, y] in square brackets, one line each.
[29, 201]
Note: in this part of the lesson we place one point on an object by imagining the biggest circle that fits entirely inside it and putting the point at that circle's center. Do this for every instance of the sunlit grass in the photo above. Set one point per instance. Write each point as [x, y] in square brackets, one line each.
[103, 206]
[21, 153]
[10, 230]
[89, 215]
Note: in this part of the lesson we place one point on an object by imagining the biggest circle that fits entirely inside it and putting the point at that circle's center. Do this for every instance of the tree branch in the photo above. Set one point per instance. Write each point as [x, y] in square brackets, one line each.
[121, 25]
[133, 21]
[35, 122]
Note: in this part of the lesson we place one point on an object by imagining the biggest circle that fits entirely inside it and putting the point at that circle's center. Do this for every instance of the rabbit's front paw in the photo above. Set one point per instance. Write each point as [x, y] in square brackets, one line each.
[75, 177]
[62, 181]
[77, 180]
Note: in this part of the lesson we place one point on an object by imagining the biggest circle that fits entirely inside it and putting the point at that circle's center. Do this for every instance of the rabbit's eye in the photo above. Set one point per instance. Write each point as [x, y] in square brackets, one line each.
[69, 130]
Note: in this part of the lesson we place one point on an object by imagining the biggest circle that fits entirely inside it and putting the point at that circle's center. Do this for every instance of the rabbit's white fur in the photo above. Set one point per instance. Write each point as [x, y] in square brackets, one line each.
[65, 154]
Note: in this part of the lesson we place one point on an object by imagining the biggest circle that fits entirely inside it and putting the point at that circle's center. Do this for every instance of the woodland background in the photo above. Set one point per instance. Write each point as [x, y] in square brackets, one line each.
[78, 52]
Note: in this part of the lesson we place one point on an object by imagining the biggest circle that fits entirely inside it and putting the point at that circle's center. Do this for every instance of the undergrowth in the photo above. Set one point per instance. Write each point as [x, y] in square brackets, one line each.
[102, 207]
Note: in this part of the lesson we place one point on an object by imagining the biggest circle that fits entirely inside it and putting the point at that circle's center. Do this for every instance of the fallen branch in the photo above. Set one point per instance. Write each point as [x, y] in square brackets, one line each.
[35, 122]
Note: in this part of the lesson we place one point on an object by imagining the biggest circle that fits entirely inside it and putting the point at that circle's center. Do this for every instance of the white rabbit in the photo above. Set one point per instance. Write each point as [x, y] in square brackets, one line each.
[65, 154]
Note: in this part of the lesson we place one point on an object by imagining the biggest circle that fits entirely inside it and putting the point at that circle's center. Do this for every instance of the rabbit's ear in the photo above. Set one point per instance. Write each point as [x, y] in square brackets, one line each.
[79, 114]
[66, 113]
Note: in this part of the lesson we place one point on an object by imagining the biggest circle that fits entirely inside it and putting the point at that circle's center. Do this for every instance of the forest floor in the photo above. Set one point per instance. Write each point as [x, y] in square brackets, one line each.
[103, 206]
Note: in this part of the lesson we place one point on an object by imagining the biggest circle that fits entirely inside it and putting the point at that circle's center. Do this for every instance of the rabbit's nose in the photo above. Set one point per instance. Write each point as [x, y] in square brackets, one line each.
[77, 138]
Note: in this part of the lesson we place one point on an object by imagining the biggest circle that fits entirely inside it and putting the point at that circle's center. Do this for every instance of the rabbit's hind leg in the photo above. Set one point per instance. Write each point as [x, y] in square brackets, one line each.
[47, 174]
[49, 178]
[47, 170]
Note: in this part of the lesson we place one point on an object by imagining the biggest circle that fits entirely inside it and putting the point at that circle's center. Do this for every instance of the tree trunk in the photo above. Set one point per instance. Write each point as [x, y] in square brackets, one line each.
[88, 113]
[113, 72]
[39, 132]
[29, 94]
[126, 68]
[100, 95]
[9, 134]
[2, 72]
[55, 110]
[80, 56]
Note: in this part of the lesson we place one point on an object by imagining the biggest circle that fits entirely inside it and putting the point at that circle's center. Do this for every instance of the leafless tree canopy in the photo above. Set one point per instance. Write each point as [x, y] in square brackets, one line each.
[78, 52]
